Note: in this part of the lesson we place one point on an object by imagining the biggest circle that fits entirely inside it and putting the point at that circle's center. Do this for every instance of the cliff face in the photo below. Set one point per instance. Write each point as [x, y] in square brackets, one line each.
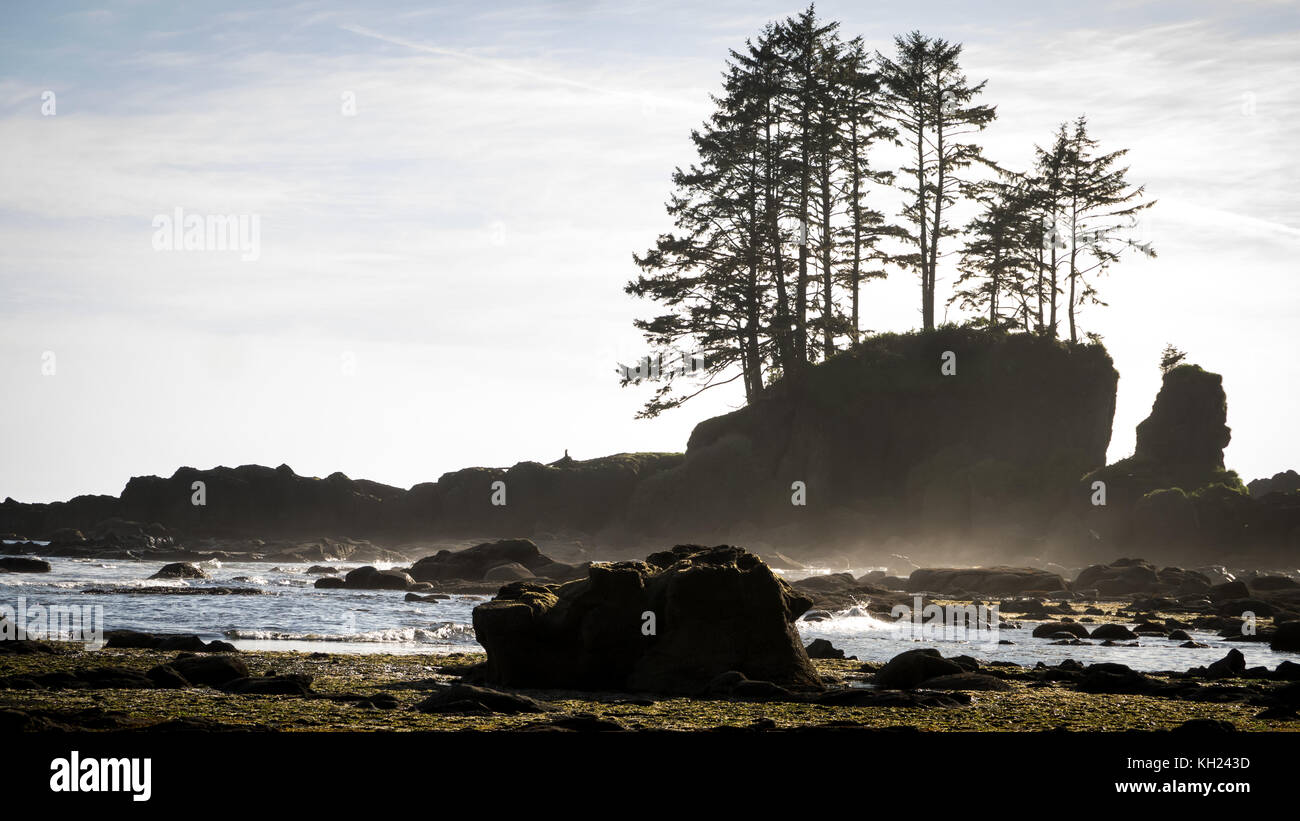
[888, 446]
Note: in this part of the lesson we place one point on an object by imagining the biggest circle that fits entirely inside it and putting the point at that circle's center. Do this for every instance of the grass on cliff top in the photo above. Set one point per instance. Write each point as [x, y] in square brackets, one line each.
[408, 678]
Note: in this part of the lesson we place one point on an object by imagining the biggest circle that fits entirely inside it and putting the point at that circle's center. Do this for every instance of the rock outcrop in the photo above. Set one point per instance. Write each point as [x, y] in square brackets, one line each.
[996, 581]
[671, 623]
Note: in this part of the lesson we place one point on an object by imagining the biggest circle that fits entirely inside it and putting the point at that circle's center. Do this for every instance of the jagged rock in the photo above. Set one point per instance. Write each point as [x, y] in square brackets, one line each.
[714, 610]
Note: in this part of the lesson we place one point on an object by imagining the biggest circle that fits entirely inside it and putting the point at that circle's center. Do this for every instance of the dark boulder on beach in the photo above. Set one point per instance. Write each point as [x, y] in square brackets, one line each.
[181, 570]
[1114, 678]
[823, 649]
[23, 564]
[213, 671]
[670, 623]
[911, 668]
[271, 685]
[967, 681]
[468, 698]
[1229, 666]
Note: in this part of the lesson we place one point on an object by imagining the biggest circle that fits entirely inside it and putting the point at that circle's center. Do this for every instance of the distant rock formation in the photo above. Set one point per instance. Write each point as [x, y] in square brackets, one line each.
[1173, 499]
[1285, 482]
[875, 451]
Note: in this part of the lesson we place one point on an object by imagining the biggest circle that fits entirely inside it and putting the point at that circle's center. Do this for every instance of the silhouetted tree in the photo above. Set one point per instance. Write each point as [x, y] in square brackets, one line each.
[1099, 207]
[931, 101]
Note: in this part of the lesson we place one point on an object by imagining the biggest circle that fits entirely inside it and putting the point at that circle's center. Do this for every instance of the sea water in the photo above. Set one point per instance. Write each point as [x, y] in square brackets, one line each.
[289, 613]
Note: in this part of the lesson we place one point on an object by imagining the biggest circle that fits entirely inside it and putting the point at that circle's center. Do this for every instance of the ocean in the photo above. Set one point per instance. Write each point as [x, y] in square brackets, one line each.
[289, 613]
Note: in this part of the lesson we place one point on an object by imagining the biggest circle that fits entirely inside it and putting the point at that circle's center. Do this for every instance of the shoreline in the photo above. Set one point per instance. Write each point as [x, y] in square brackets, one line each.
[380, 692]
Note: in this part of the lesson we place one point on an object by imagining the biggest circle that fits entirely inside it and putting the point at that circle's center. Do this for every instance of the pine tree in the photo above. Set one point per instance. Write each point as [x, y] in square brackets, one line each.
[1100, 207]
[931, 102]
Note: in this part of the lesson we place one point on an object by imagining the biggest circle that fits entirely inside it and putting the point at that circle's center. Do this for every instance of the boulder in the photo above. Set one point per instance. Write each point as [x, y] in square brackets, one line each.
[909, 669]
[1267, 583]
[1286, 637]
[1120, 577]
[508, 572]
[1238, 607]
[23, 564]
[1113, 632]
[1228, 590]
[1050, 628]
[181, 570]
[670, 624]
[288, 685]
[967, 681]
[823, 649]
[1114, 678]
[212, 671]
[473, 563]
[996, 581]
[467, 698]
[371, 578]
[1229, 666]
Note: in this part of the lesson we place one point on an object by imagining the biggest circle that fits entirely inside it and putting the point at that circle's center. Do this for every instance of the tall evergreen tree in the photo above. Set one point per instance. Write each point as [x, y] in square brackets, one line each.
[861, 126]
[932, 103]
[1100, 206]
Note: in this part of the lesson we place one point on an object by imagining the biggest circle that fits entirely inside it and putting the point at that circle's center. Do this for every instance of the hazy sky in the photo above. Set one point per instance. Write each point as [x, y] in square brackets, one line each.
[440, 275]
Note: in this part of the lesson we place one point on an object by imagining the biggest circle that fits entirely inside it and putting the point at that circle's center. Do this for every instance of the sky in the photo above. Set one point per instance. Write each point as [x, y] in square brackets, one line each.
[447, 197]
